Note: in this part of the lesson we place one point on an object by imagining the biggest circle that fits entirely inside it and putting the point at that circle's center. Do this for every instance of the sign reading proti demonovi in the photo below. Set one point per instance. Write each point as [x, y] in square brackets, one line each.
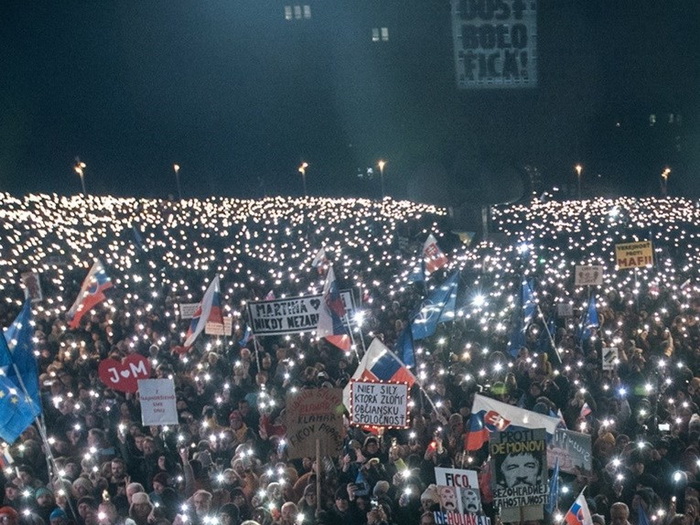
[634, 255]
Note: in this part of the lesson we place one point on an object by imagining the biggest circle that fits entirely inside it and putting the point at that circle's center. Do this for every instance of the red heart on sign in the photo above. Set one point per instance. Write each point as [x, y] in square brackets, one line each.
[124, 376]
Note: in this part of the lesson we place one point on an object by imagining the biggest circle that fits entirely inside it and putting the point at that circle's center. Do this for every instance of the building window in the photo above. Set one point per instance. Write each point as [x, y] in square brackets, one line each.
[297, 12]
[380, 34]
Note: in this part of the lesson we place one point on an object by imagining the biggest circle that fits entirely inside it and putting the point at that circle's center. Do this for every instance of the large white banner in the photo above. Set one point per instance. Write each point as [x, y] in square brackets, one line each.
[495, 43]
[158, 402]
[291, 315]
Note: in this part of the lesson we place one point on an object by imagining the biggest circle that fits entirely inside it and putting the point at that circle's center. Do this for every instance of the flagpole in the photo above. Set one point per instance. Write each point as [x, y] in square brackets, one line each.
[352, 338]
[549, 333]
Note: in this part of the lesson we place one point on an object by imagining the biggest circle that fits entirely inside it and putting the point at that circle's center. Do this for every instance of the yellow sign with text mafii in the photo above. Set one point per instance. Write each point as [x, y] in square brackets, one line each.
[634, 255]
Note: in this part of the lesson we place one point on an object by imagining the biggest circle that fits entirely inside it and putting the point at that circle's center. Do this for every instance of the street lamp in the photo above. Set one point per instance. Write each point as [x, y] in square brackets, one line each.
[381, 165]
[664, 184]
[302, 170]
[579, 169]
[176, 167]
[79, 169]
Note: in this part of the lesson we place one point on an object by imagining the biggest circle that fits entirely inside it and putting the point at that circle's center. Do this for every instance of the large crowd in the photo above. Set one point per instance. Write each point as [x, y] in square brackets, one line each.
[227, 463]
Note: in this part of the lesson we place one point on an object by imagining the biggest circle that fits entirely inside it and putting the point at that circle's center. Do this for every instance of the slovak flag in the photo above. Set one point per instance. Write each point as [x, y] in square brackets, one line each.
[433, 256]
[209, 310]
[91, 293]
[331, 314]
[579, 513]
[379, 364]
[320, 261]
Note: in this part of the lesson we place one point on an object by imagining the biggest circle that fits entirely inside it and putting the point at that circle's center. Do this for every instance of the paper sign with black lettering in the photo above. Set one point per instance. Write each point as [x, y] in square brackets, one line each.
[158, 402]
[311, 415]
[591, 275]
[455, 504]
[634, 255]
[467, 483]
[519, 462]
[187, 310]
[495, 44]
[218, 328]
[292, 315]
[573, 450]
[610, 358]
[379, 404]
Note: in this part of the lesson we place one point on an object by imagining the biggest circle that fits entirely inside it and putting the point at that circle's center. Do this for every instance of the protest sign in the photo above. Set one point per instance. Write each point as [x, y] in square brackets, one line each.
[187, 310]
[123, 375]
[457, 506]
[218, 328]
[379, 404]
[591, 275]
[467, 484]
[32, 286]
[565, 310]
[314, 414]
[610, 358]
[634, 255]
[291, 315]
[573, 450]
[158, 402]
[519, 464]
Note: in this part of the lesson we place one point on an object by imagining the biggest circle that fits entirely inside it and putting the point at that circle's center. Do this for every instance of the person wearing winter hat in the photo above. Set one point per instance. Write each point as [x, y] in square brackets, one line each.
[141, 508]
[229, 515]
[8, 516]
[45, 503]
[58, 517]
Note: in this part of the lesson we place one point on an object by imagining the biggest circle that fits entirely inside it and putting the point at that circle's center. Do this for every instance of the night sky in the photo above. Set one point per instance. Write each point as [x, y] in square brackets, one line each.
[238, 97]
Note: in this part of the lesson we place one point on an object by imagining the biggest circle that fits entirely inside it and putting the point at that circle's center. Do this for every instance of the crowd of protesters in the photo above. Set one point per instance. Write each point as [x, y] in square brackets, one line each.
[227, 462]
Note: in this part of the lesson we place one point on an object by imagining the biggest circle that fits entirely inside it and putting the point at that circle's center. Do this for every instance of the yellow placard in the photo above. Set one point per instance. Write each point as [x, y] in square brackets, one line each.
[634, 255]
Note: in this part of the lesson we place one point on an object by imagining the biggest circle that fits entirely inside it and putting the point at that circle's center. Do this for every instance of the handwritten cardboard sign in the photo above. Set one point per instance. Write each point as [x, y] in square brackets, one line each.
[315, 414]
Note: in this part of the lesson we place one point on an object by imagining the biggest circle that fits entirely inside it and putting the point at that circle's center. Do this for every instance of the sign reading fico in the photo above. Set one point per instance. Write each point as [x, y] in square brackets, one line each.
[495, 43]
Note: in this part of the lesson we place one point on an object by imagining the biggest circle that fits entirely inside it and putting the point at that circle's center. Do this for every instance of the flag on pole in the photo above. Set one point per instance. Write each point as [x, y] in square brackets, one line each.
[381, 364]
[524, 312]
[433, 256]
[208, 310]
[91, 293]
[417, 273]
[477, 434]
[330, 315]
[590, 320]
[320, 261]
[498, 416]
[579, 513]
[17, 358]
[438, 308]
[643, 518]
[404, 347]
[553, 488]
[270, 296]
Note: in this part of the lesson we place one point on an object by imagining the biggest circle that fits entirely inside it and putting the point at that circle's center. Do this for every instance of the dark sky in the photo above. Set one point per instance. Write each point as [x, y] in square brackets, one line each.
[239, 97]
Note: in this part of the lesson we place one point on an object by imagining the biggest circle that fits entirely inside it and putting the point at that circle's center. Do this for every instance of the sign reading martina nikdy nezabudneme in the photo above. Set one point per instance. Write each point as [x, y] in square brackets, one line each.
[291, 315]
[379, 404]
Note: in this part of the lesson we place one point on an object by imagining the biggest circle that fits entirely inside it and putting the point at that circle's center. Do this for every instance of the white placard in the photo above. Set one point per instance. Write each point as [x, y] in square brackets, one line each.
[591, 275]
[565, 310]
[187, 310]
[220, 329]
[379, 404]
[291, 315]
[158, 402]
[610, 358]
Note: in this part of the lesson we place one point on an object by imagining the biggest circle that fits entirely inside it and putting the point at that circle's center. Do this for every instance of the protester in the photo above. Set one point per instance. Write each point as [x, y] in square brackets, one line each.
[228, 459]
